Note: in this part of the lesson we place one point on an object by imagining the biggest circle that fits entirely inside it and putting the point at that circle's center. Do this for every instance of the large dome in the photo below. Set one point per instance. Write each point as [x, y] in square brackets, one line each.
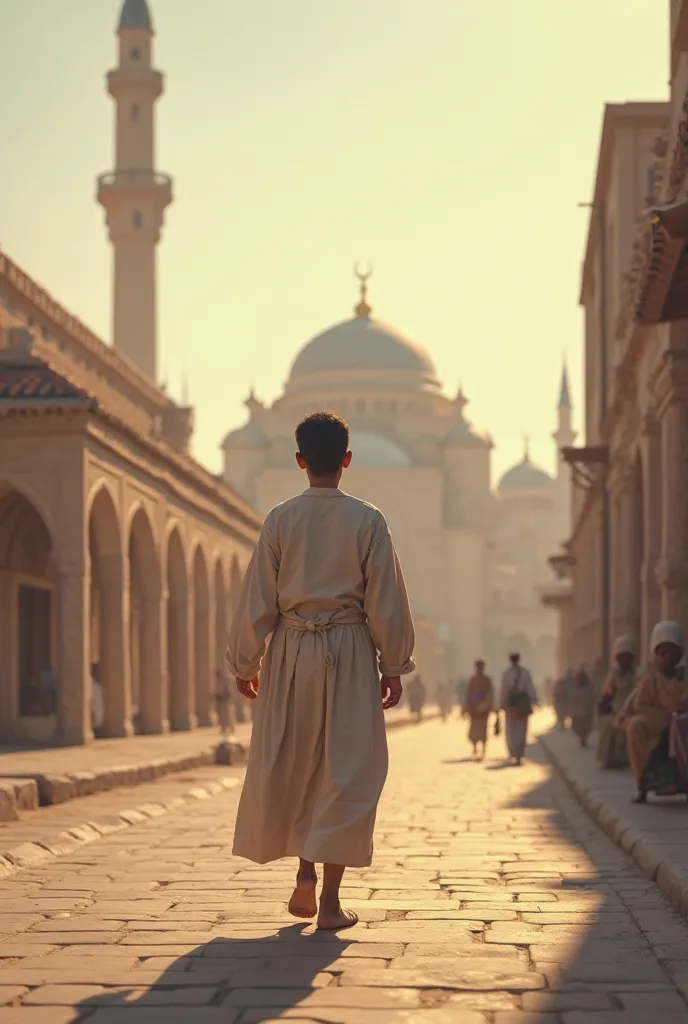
[373, 451]
[365, 344]
[524, 475]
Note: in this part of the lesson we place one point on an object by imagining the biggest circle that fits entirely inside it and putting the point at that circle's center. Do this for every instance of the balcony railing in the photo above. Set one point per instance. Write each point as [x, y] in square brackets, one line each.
[135, 179]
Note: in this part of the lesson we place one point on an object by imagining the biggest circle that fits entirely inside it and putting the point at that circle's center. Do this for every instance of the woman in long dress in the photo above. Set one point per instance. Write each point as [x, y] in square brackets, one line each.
[618, 687]
[478, 703]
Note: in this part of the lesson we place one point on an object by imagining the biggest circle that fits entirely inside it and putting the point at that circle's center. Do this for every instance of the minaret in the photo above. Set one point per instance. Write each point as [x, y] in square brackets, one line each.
[134, 194]
[564, 436]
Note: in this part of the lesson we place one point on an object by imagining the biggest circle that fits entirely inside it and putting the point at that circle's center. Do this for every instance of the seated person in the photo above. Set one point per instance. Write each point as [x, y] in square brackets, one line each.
[660, 695]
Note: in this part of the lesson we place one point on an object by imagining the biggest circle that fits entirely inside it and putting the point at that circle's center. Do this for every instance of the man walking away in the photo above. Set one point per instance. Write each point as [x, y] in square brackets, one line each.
[325, 581]
[517, 701]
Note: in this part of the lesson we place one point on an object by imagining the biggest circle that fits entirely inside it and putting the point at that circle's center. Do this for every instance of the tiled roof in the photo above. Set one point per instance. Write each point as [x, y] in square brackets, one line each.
[32, 380]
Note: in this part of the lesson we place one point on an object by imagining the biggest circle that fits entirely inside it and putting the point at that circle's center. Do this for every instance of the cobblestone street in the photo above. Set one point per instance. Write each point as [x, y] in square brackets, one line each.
[493, 899]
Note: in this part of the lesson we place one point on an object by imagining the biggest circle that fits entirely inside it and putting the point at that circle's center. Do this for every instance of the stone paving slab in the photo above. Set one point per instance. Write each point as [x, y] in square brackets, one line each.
[159, 923]
[60, 830]
[654, 834]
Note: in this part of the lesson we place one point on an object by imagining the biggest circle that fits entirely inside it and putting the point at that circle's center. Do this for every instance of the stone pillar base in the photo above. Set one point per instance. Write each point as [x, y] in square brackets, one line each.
[156, 729]
[189, 723]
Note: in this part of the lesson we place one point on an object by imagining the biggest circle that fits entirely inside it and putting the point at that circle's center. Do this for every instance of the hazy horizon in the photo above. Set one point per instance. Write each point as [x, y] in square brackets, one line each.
[449, 144]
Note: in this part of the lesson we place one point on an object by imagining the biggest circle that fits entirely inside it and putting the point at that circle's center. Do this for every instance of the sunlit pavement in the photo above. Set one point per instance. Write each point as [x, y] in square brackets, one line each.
[493, 899]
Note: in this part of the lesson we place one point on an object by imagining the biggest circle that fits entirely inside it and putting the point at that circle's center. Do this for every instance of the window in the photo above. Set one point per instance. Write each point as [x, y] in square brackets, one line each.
[138, 219]
[135, 54]
[135, 112]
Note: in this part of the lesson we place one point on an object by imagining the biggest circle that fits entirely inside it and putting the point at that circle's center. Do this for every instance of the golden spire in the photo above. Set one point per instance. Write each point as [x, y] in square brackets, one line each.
[362, 308]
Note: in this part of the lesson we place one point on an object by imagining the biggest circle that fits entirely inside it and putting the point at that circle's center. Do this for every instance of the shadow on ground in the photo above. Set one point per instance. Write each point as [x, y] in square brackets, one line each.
[261, 977]
[617, 944]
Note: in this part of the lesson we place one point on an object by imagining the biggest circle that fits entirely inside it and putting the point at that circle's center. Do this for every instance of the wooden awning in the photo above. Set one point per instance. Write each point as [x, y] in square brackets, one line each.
[586, 463]
[663, 295]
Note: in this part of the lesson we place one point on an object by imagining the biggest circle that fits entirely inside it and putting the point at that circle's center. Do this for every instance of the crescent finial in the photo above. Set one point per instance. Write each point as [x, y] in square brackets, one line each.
[363, 308]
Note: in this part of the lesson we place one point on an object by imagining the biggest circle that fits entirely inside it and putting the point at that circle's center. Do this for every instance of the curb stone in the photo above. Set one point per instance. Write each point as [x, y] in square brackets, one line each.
[670, 877]
[58, 844]
[47, 789]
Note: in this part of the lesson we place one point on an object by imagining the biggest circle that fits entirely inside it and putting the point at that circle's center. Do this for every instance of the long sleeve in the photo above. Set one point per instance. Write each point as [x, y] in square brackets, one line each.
[528, 686]
[387, 607]
[504, 690]
[256, 613]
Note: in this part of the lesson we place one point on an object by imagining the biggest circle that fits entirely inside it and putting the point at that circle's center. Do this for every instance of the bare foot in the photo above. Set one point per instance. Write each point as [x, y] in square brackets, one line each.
[303, 902]
[334, 921]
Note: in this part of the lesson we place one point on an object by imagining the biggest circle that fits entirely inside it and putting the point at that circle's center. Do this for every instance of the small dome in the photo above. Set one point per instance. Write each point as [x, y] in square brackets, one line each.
[135, 14]
[463, 433]
[525, 474]
[248, 436]
[373, 451]
[362, 343]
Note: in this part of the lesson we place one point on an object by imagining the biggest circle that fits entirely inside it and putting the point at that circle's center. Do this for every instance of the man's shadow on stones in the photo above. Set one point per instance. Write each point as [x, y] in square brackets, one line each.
[258, 977]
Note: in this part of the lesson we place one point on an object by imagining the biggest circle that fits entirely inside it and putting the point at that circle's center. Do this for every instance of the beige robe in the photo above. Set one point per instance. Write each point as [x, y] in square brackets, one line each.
[655, 700]
[325, 581]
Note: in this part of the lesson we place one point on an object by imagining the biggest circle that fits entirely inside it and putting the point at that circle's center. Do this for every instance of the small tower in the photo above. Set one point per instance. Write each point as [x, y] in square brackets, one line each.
[564, 436]
[134, 195]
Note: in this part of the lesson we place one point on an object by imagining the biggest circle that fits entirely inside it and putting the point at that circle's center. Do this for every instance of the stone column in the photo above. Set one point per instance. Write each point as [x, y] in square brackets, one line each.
[73, 669]
[181, 667]
[115, 659]
[672, 574]
[623, 588]
[154, 689]
[206, 672]
[652, 523]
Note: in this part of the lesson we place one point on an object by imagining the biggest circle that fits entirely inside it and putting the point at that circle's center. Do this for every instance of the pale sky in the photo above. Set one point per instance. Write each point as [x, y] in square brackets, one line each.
[447, 141]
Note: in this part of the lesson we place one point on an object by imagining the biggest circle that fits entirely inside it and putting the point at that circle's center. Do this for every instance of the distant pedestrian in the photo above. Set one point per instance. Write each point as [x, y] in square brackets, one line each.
[443, 696]
[223, 701]
[517, 700]
[478, 705]
[562, 698]
[416, 698]
[618, 687]
[582, 704]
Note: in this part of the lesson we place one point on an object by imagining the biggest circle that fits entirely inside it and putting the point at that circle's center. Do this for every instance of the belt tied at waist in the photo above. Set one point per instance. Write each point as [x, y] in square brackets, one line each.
[323, 622]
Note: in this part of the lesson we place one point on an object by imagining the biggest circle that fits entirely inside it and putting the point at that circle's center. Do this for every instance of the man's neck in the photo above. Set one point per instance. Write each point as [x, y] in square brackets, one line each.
[329, 482]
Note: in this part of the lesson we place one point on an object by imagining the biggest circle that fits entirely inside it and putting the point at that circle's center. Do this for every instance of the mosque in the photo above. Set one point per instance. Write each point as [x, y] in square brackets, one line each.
[473, 557]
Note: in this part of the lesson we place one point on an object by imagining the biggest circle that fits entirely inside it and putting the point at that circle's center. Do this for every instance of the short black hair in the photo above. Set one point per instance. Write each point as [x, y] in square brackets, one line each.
[323, 440]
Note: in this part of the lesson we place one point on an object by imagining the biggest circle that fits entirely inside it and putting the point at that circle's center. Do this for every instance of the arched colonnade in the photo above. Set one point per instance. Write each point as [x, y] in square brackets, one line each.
[147, 611]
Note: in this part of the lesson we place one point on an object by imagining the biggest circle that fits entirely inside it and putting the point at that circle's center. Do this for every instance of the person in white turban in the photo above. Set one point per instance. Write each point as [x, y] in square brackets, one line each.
[618, 687]
[660, 695]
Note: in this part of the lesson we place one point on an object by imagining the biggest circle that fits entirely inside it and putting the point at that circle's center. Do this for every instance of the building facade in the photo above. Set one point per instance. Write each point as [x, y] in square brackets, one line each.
[628, 544]
[467, 550]
[117, 549]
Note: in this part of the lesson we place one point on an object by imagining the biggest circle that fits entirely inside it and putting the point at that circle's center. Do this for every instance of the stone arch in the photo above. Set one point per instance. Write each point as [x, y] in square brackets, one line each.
[145, 599]
[203, 654]
[10, 482]
[109, 617]
[179, 636]
[28, 613]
